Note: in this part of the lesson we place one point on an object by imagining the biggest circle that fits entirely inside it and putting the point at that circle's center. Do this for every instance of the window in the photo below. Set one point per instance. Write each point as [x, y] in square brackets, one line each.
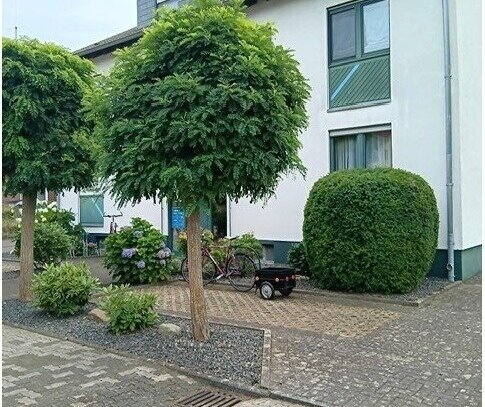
[369, 149]
[91, 209]
[376, 26]
[343, 39]
[359, 47]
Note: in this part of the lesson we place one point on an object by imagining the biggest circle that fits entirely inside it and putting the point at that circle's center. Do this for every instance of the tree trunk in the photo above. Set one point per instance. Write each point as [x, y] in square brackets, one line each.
[29, 202]
[198, 311]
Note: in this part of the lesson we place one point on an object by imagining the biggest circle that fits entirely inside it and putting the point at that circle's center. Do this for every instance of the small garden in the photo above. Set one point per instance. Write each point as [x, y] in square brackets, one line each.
[69, 301]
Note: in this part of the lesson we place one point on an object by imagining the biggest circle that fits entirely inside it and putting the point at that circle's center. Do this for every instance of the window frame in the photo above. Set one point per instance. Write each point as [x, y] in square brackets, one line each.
[360, 150]
[90, 195]
[360, 55]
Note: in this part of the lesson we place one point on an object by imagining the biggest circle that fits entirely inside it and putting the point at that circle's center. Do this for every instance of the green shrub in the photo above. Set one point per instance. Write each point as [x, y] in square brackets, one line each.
[298, 260]
[63, 289]
[49, 213]
[137, 254]
[51, 244]
[372, 230]
[128, 311]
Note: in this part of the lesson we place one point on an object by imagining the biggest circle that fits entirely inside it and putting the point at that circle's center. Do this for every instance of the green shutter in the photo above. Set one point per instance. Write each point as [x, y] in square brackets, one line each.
[359, 82]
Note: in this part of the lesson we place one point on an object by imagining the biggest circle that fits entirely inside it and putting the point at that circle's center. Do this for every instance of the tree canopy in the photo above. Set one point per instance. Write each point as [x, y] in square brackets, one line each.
[203, 106]
[46, 139]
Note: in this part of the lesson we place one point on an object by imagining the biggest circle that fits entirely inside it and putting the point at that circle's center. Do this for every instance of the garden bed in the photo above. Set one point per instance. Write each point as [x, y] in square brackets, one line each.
[232, 353]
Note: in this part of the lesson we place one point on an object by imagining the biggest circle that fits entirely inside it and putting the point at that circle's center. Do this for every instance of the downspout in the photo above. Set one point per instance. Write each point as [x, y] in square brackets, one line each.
[450, 267]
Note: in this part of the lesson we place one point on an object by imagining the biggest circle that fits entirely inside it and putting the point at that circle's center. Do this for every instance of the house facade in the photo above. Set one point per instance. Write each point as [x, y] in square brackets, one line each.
[377, 71]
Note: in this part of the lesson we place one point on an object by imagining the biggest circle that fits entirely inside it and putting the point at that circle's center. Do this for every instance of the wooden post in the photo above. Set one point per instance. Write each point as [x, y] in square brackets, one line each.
[29, 202]
[198, 311]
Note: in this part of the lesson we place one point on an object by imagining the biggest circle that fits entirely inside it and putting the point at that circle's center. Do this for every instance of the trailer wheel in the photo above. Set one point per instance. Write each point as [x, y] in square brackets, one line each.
[286, 291]
[266, 290]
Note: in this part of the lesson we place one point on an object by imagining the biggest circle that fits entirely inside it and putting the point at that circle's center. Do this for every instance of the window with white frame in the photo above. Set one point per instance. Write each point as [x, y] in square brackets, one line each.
[361, 148]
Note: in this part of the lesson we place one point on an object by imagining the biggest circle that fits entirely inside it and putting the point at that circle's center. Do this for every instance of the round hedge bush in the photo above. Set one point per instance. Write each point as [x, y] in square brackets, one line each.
[371, 230]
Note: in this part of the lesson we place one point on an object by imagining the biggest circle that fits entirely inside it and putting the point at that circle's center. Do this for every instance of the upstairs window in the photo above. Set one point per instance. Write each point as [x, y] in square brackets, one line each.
[358, 53]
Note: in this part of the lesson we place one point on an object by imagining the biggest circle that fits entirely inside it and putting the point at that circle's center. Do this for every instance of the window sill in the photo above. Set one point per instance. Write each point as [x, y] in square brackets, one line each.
[359, 105]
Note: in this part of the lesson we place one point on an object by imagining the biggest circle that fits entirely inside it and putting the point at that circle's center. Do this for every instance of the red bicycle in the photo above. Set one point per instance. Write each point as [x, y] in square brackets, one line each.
[238, 268]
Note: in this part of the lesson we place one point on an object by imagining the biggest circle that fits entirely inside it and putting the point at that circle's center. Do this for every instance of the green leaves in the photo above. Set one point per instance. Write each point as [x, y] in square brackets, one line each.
[128, 311]
[371, 230]
[52, 243]
[204, 105]
[63, 289]
[45, 129]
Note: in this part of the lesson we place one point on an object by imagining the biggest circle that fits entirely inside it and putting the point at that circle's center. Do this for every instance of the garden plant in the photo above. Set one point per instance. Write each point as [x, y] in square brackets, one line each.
[63, 289]
[52, 244]
[203, 107]
[128, 311]
[46, 135]
[371, 230]
[137, 254]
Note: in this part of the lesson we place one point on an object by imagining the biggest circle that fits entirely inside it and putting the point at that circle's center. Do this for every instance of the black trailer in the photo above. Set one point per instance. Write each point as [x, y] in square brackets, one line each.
[271, 279]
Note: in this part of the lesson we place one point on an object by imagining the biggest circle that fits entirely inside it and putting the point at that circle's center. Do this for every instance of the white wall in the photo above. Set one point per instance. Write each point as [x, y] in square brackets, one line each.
[467, 117]
[416, 110]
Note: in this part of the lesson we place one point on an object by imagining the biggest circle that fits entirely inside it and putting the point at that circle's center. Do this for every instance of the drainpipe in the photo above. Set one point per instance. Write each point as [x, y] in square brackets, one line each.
[450, 267]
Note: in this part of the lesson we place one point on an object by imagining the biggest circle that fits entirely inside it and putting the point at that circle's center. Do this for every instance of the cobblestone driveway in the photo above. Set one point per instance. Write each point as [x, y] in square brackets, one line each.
[298, 311]
[346, 355]
[430, 356]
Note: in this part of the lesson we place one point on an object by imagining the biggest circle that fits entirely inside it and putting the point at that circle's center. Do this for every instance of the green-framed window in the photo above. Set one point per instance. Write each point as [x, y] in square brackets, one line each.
[361, 149]
[358, 53]
[91, 209]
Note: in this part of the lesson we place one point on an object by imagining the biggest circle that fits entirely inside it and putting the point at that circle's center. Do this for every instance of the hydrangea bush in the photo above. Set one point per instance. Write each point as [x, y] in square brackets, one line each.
[137, 254]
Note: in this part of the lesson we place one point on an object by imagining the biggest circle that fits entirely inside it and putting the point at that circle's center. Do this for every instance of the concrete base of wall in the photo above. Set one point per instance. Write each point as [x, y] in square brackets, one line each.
[468, 262]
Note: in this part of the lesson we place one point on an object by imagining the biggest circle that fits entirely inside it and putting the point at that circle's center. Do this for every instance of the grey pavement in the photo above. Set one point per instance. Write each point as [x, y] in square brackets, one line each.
[43, 371]
[429, 356]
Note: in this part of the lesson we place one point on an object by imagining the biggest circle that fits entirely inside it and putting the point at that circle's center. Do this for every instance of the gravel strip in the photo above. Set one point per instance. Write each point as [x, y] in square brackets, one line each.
[232, 353]
[430, 286]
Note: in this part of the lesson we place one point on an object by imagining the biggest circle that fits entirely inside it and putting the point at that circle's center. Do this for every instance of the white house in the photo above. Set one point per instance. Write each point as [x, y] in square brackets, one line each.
[378, 72]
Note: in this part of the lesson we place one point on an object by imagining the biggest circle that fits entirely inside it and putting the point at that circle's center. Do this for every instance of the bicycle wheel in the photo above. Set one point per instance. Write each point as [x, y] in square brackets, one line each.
[208, 270]
[241, 272]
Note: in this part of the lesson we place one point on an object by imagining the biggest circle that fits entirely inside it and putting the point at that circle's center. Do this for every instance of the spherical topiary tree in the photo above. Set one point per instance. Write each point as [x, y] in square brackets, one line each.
[203, 107]
[372, 230]
[46, 133]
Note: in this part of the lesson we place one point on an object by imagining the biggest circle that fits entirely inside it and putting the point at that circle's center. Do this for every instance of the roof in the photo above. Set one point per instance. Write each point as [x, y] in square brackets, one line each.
[122, 39]
[109, 44]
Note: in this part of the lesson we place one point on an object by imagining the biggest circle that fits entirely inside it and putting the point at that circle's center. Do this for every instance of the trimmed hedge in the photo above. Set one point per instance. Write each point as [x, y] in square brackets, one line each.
[371, 230]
